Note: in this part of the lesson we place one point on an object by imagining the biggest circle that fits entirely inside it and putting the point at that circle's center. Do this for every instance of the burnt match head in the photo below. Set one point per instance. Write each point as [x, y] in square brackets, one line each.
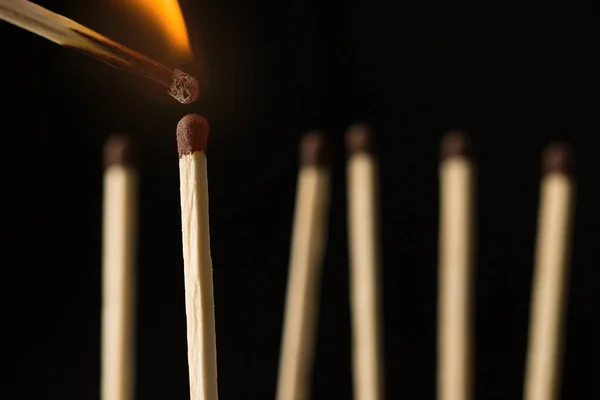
[119, 150]
[456, 143]
[314, 149]
[359, 139]
[558, 158]
[192, 134]
[184, 88]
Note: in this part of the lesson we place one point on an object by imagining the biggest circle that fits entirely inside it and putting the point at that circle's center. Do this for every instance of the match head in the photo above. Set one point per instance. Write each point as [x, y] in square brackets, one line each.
[119, 150]
[558, 158]
[184, 88]
[314, 149]
[359, 139]
[456, 143]
[192, 134]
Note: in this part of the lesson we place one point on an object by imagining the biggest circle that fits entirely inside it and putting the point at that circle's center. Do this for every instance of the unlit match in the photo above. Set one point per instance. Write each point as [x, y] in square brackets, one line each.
[118, 255]
[68, 33]
[363, 210]
[308, 245]
[455, 268]
[192, 136]
[542, 380]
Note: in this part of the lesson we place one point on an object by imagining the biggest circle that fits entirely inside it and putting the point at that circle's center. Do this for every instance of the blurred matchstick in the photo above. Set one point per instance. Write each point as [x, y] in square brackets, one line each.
[542, 380]
[308, 245]
[455, 268]
[118, 292]
[364, 265]
[69, 33]
[192, 136]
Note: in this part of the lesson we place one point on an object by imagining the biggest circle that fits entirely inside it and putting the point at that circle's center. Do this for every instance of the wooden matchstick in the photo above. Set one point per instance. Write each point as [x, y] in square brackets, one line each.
[364, 265]
[192, 136]
[118, 287]
[455, 268]
[542, 380]
[308, 245]
[68, 33]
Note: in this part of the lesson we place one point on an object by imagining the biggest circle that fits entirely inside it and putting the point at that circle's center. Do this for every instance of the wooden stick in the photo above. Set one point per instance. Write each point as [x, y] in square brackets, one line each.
[308, 245]
[118, 293]
[542, 380]
[68, 33]
[364, 265]
[192, 136]
[455, 269]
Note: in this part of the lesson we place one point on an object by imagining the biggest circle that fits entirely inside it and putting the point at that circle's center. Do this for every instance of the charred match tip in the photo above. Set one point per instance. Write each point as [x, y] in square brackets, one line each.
[313, 149]
[184, 88]
[119, 150]
[359, 139]
[558, 158]
[456, 143]
[192, 134]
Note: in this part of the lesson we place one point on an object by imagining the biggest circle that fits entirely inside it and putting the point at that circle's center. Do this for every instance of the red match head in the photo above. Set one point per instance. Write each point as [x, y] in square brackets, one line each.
[119, 150]
[192, 134]
[557, 158]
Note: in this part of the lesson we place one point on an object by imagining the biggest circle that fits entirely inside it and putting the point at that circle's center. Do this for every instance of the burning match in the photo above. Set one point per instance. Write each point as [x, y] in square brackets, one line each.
[68, 33]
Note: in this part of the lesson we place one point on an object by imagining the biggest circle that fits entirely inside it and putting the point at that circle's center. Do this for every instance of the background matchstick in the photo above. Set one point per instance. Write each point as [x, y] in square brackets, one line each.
[455, 268]
[68, 33]
[118, 288]
[364, 265]
[192, 136]
[308, 245]
[542, 380]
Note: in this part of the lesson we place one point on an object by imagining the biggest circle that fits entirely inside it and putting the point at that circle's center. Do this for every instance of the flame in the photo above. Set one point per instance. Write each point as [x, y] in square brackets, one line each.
[167, 15]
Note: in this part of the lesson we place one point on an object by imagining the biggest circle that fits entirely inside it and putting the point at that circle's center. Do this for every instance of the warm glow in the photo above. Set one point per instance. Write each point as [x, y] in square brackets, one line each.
[166, 14]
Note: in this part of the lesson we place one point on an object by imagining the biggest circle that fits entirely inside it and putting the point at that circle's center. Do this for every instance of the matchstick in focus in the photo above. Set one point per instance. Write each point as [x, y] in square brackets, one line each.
[192, 137]
[456, 250]
[365, 285]
[118, 287]
[304, 280]
[68, 33]
[542, 380]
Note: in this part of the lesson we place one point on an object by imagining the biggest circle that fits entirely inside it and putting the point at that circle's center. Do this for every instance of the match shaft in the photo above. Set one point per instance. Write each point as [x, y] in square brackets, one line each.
[68, 33]
[365, 285]
[192, 134]
[199, 299]
[118, 287]
[308, 246]
[542, 380]
[455, 270]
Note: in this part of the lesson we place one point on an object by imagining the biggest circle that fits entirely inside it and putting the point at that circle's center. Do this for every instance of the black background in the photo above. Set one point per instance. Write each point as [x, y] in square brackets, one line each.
[517, 77]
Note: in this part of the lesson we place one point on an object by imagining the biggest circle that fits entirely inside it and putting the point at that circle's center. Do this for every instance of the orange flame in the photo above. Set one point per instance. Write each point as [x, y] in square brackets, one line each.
[167, 15]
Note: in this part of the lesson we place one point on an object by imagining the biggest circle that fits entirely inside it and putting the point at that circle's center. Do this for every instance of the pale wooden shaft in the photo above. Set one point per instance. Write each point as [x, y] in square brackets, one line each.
[364, 278]
[52, 26]
[455, 280]
[302, 302]
[118, 286]
[199, 300]
[542, 380]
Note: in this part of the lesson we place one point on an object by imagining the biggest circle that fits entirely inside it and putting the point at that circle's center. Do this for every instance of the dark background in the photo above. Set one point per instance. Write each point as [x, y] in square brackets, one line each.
[517, 77]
